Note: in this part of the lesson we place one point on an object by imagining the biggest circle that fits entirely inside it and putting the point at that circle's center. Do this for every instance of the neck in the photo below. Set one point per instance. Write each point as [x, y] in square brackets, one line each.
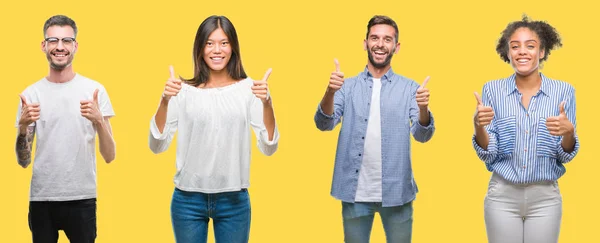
[530, 82]
[61, 76]
[218, 78]
[378, 72]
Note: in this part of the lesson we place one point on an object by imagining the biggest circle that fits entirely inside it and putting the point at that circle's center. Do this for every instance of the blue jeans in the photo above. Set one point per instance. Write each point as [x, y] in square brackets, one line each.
[358, 221]
[191, 212]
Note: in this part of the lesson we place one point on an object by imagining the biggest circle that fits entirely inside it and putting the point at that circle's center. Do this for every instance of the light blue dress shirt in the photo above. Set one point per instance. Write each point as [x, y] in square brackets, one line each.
[399, 118]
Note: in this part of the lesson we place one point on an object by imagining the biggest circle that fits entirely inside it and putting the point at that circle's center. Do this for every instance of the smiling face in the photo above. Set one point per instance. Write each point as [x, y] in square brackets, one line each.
[524, 51]
[60, 46]
[217, 51]
[381, 45]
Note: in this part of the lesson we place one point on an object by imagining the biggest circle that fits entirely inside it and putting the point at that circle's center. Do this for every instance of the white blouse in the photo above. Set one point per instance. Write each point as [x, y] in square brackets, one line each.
[213, 145]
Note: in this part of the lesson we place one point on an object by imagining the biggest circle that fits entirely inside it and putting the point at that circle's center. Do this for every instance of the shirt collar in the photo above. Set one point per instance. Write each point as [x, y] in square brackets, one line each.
[511, 87]
[366, 74]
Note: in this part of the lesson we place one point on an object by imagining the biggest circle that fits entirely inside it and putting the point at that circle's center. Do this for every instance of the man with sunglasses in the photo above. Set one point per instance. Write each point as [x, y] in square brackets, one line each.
[65, 110]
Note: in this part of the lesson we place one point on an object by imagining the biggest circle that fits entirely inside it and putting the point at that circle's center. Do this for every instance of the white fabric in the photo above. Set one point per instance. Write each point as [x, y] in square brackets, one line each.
[64, 166]
[213, 144]
[369, 179]
[526, 212]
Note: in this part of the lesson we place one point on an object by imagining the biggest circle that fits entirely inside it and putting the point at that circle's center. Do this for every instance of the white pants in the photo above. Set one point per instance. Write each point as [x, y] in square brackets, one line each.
[522, 213]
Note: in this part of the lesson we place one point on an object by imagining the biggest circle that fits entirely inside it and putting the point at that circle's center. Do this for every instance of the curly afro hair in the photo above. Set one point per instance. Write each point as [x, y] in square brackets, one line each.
[549, 37]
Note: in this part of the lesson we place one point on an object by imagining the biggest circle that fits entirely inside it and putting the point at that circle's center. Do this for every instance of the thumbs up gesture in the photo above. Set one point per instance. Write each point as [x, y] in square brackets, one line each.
[336, 80]
[423, 95]
[260, 88]
[89, 109]
[173, 85]
[484, 114]
[559, 125]
[30, 112]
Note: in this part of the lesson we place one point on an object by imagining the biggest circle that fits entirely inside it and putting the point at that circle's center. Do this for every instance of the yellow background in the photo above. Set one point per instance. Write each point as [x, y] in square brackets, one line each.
[128, 47]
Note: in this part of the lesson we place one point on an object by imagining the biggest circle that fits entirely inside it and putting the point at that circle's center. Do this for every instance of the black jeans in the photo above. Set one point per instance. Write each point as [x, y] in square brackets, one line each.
[76, 218]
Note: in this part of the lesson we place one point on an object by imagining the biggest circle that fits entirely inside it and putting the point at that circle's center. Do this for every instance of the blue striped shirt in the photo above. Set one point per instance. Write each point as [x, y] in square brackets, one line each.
[399, 118]
[521, 149]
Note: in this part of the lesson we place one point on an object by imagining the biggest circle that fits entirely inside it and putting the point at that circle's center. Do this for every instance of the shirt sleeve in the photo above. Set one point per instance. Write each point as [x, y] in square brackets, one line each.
[570, 109]
[420, 133]
[326, 122]
[159, 142]
[266, 146]
[104, 103]
[488, 155]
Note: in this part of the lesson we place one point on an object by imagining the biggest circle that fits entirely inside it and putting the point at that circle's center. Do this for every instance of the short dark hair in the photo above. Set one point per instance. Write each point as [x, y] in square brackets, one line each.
[201, 69]
[382, 19]
[60, 20]
[549, 37]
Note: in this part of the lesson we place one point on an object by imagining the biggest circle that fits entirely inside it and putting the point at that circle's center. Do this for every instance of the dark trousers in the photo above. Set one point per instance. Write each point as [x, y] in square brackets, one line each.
[76, 218]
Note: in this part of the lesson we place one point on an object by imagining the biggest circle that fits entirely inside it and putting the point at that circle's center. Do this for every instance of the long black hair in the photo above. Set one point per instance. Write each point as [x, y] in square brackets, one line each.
[201, 69]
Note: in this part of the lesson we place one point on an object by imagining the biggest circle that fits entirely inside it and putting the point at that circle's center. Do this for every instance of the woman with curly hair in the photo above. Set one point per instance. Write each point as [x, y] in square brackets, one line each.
[525, 132]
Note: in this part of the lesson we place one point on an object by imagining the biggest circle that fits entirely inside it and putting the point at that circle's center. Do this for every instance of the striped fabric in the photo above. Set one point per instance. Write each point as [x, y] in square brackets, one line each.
[521, 149]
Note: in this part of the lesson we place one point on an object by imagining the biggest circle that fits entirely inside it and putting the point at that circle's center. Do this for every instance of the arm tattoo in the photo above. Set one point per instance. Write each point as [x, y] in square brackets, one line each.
[23, 147]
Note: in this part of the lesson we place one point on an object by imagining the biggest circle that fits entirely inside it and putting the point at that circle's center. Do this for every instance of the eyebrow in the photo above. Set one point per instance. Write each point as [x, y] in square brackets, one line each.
[386, 36]
[218, 40]
[525, 41]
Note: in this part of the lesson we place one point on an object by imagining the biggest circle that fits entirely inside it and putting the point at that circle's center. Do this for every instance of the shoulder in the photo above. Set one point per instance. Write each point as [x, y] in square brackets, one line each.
[404, 80]
[35, 86]
[350, 82]
[247, 82]
[555, 85]
[88, 82]
[499, 85]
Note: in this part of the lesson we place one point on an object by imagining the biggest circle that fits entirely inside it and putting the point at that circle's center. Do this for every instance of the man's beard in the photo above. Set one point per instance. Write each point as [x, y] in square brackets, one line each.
[386, 62]
[57, 66]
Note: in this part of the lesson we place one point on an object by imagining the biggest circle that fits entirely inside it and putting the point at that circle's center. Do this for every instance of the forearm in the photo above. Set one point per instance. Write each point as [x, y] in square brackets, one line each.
[568, 142]
[161, 114]
[327, 103]
[481, 137]
[23, 145]
[269, 119]
[424, 118]
[106, 141]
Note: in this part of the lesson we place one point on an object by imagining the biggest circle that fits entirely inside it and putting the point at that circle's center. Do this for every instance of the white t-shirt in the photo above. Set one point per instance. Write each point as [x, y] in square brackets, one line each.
[213, 144]
[64, 166]
[369, 178]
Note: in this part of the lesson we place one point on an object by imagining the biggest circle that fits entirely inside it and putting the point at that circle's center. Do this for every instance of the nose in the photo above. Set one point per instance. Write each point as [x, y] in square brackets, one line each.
[60, 46]
[217, 49]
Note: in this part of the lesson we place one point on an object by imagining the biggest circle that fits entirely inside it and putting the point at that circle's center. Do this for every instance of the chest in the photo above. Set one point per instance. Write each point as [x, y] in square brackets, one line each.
[393, 99]
[216, 110]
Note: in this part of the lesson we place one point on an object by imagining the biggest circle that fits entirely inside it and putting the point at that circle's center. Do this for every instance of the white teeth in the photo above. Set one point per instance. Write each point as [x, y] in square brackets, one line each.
[216, 58]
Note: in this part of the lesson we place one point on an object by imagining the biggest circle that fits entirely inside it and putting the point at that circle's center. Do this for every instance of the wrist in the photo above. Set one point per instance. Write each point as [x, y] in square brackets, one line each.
[479, 128]
[98, 122]
[23, 129]
[165, 99]
[266, 102]
[329, 91]
[570, 134]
